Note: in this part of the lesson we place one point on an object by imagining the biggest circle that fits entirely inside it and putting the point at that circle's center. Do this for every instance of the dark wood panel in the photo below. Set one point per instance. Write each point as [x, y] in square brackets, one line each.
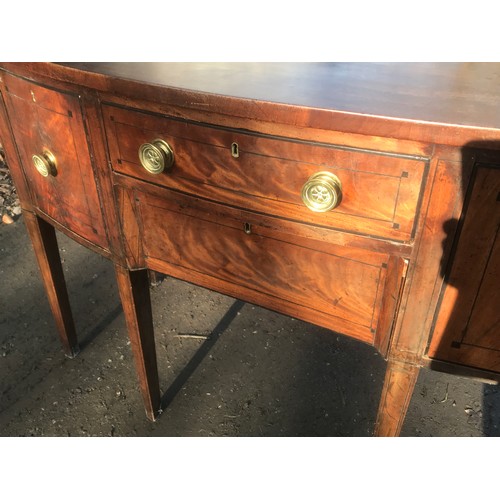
[484, 323]
[467, 328]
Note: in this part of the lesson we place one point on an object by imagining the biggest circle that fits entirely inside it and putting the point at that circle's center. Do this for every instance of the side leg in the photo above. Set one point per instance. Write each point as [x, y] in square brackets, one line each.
[43, 238]
[400, 379]
[134, 293]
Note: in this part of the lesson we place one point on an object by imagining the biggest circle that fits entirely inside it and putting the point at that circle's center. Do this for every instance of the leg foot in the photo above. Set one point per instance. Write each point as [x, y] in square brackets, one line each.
[400, 379]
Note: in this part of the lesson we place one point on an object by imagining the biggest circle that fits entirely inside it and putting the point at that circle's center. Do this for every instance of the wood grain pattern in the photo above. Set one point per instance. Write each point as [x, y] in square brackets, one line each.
[379, 89]
[396, 274]
[443, 203]
[402, 138]
[380, 191]
[467, 329]
[128, 217]
[407, 104]
[321, 235]
[400, 379]
[53, 120]
[339, 282]
[94, 127]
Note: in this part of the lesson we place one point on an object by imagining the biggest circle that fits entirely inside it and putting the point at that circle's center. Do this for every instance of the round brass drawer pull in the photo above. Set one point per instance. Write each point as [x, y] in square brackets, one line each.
[45, 163]
[156, 156]
[322, 192]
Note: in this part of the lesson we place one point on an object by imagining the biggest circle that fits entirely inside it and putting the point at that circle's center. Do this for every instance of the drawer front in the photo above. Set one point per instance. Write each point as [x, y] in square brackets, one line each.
[45, 122]
[241, 254]
[380, 192]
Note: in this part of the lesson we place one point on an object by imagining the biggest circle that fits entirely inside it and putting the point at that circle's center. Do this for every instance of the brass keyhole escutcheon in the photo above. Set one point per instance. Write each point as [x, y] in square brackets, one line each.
[156, 156]
[45, 163]
[322, 192]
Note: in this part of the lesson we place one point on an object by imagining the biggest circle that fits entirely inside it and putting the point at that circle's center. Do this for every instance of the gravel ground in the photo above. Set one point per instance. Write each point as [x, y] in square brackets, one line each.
[9, 202]
[228, 368]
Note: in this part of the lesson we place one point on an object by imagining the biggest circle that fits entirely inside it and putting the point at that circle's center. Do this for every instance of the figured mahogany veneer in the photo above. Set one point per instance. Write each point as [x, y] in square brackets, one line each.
[381, 191]
[242, 254]
[408, 262]
[52, 120]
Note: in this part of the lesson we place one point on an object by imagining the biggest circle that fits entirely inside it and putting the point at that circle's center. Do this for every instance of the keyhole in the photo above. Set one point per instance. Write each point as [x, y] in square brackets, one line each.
[235, 152]
[247, 227]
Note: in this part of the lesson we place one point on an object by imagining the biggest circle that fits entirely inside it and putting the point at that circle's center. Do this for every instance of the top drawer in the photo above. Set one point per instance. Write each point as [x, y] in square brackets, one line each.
[49, 132]
[380, 191]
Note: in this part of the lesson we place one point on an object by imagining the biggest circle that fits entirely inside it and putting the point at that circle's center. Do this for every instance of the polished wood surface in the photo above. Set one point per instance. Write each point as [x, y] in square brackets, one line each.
[53, 121]
[457, 93]
[408, 142]
[447, 103]
[381, 191]
[337, 287]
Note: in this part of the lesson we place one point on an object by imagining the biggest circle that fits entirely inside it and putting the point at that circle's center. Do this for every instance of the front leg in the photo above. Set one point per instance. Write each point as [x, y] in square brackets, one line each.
[43, 238]
[134, 293]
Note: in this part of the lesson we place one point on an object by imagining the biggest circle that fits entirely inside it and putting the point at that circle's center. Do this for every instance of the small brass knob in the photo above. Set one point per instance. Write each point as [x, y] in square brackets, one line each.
[45, 163]
[156, 156]
[322, 192]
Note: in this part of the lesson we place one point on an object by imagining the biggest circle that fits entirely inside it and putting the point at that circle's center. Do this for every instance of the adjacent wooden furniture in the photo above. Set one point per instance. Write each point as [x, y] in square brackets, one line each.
[364, 198]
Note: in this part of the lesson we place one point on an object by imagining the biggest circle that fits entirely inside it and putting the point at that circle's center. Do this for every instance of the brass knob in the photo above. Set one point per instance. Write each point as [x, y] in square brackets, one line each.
[322, 192]
[45, 163]
[156, 156]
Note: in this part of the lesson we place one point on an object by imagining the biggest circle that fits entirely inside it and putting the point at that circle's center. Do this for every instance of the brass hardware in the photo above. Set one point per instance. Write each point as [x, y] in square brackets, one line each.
[322, 192]
[235, 150]
[45, 163]
[156, 156]
[247, 227]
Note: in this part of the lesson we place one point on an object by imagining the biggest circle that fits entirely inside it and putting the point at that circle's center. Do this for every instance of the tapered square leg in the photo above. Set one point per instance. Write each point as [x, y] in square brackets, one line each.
[400, 379]
[43, 238]
[134, 293]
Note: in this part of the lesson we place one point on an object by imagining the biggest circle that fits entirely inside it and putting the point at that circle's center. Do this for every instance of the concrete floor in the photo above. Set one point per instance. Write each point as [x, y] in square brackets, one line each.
[258, 374]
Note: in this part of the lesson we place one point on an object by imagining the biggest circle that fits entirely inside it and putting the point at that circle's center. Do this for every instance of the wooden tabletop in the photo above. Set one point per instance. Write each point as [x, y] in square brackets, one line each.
[448, 93]
[442, 103]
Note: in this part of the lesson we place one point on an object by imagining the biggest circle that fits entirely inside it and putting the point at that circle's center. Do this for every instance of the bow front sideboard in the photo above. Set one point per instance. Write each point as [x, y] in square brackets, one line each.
[364, 198]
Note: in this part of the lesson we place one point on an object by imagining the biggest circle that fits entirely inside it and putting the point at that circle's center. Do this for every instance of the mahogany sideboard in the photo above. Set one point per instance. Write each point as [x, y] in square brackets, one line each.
[364, 198]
